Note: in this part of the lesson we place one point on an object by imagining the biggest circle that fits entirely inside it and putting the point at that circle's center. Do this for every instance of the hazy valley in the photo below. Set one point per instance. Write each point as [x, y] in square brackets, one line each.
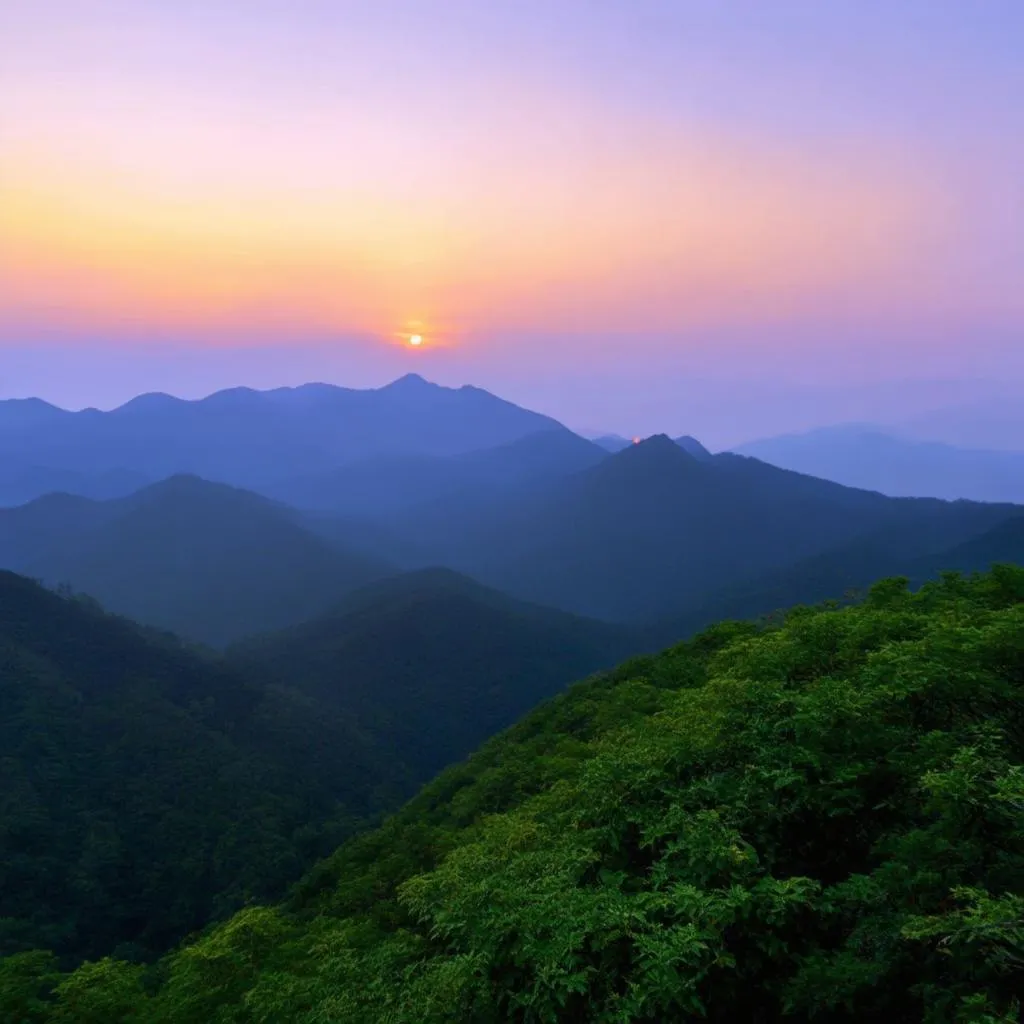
[263, 621]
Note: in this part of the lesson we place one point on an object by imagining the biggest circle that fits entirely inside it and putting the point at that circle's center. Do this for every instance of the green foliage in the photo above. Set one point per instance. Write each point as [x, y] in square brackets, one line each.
[144, 791]
[26, 980]
[147, 790]
[106, 992]
[819, 821]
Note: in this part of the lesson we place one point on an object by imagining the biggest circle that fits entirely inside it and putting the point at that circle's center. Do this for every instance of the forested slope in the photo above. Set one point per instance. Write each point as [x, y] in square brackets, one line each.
[654, 530]
[144, 790]
[817, 821]
[921, 550]
[432, 664]
[207, 561]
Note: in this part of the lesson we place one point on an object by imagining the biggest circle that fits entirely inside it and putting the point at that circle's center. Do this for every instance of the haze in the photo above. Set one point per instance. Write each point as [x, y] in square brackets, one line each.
[629, 215]
[511, 511]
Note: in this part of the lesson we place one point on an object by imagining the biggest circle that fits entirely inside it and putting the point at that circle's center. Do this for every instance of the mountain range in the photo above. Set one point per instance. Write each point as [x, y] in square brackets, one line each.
[249, 438]
[371, 487]
[652, 531]
[148, 788]
[363, 452]
[648, 536]
[278, 614]
[864, 456]
[207, 561]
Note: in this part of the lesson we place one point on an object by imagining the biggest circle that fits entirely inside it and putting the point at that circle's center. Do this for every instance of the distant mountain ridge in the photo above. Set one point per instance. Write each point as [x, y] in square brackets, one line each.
[615, 443]
[387, 484]
[612, 442]
[649, 531]
[921, 550]
[250, 438]
[693, 446]
[861, 455]
[208, 561]
[413, 475]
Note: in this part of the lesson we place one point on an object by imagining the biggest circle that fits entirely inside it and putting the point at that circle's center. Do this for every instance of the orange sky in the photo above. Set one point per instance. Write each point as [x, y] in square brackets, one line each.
[222, 172]
[669, 232]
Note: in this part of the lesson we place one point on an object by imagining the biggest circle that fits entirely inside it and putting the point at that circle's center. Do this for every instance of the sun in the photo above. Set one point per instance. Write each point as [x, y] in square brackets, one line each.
[416, 340]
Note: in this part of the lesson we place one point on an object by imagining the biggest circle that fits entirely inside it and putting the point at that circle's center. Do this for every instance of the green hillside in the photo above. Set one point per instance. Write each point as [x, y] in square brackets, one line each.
[819, 821]
[431, 663]
[145, 791]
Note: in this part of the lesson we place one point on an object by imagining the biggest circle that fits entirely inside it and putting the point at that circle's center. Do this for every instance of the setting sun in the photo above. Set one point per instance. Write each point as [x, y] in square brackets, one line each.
[416, 339]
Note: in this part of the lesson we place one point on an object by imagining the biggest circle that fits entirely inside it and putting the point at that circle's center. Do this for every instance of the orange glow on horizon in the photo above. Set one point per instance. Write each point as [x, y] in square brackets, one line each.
[673, 254]
[156, 181]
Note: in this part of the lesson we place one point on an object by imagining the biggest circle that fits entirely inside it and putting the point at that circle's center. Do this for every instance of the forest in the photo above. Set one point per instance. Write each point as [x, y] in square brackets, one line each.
[814, 817]
[511, 512]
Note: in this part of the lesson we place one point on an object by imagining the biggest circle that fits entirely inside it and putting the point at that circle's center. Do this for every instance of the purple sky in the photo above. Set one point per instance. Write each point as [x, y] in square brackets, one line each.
[729, 219]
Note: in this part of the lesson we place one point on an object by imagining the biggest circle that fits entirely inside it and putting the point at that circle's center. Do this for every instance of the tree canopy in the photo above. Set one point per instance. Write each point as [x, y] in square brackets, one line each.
[822, 819]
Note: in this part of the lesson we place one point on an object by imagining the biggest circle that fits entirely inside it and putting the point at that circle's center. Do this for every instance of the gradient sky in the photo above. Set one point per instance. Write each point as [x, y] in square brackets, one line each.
[621, 212]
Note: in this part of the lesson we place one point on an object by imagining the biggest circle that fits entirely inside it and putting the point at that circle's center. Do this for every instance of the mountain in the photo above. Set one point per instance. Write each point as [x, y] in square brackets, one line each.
[148, 790]
[544, 455]
[921, 550]
[251, 438]
[1002, 544]
[649, 531]
[207, 561]
[22, 479]
[145, 790]
[864, 457]
[811, 822]
[20, 484]
[21, 414]
[693, 447]
[433, 663]
[612, 442]
[385, 485]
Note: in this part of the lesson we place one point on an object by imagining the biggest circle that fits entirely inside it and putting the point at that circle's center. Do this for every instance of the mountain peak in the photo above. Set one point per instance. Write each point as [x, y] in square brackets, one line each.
[152, 400]
[611, 442]
[30, 403]
[232, 396]
[693, 447]
[650, 456]
[191, 487]
[410, 382]
[654, 443]
[28, 412]
[178, 483]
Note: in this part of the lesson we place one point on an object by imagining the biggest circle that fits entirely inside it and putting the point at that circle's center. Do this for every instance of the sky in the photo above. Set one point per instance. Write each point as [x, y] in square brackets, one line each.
[726, 216]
